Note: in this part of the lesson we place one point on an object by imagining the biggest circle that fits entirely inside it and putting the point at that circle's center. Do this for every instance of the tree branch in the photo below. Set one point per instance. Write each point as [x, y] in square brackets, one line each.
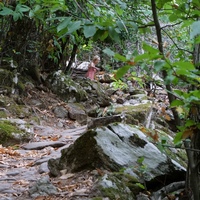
[176, 44]
[160, 194]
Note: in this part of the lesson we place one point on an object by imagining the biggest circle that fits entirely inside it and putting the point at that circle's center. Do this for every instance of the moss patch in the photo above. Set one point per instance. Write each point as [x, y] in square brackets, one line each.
[133, 108]
[119, 186]
[6, 131]
[6, 78]
[3, 114]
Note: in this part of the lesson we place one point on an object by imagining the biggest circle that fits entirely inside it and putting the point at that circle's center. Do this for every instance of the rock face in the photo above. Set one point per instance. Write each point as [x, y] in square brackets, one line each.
[115, 147]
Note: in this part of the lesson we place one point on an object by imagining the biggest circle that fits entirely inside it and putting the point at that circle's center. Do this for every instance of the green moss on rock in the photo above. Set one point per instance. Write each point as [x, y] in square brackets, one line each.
[133, 108]
[21, 87]
[6, 131]
[6, 77]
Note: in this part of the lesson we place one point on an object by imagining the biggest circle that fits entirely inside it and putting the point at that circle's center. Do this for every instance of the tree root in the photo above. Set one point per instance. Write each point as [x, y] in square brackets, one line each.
[163, 192]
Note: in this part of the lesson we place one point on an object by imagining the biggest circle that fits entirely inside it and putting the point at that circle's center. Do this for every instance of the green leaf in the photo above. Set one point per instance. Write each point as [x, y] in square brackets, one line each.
[159, 64]
[120, 57]
[109, 52]
[6, 11]
[160, 147]
[89, 31]
[189, 123]
[118, 10]
[121, 71]
[178, 138]
[113, 34]
[141, 57]
[104, 35]
[195, 29]
[64, 24]
[16, 16]
[173, 17]
[96, 12]
[184, 65]
[178, 92]
[161, 3]
[150, 49]
[176, 103]
[140, 185]
[140, 160]
[187, 23]
[73, 26]
[196, 2]
[196, 93]
[120, 25]
[197, 39]
[22, 8]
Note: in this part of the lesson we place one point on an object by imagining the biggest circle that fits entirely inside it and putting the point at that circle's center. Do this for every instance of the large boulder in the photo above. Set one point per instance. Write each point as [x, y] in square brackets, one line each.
[78, 89]
[115, 147]
[66, 88]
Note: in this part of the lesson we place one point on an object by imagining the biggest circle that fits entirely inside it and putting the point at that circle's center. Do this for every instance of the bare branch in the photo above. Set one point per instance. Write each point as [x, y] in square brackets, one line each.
[176, 44]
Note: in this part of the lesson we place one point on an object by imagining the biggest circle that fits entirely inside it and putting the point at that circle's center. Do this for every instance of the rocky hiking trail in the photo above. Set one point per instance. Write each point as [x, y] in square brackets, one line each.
[22, 165]
[24, 172]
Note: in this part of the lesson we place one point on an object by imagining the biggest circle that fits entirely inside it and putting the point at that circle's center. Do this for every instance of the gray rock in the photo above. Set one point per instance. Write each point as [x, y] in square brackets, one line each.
[111, 187]
[42, 160]
[42, 145]
[13, 173]
[77, 112]
[60, 112]
[4, 187]
[115, 147]
[42, 187]
[43, 168]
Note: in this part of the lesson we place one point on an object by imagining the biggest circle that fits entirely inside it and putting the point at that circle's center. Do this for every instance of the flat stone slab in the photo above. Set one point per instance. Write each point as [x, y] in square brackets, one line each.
[42, 145]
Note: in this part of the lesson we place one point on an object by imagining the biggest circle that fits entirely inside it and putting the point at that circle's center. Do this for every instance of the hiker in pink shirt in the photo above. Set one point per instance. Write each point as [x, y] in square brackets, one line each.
[92, 69]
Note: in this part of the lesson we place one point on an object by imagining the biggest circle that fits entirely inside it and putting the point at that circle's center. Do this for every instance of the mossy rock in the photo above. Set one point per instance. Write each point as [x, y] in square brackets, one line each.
[66, 88]
[6, 131]
[134, 114]
[17, 111]
[11, 134]
[21, 87]
[3, 114]
[115, 186]
[6, 77]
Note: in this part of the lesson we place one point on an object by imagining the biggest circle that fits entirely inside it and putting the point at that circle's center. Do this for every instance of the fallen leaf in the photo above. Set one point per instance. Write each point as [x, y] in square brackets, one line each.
[168, 54]
[167, 117]
[155, 136]
[66, 176]
[21, 182]
[163, 109]
[188, 133]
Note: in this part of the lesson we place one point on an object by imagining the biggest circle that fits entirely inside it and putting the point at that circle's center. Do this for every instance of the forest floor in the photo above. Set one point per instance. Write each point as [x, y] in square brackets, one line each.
[22, 165]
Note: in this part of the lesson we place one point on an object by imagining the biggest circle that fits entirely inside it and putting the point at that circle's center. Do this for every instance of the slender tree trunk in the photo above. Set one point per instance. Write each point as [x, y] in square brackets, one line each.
[72, 57]
[194, 157]
[160, 47]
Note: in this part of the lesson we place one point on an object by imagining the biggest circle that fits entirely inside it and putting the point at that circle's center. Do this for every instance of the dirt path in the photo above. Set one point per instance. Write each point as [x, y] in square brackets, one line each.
[20, 168]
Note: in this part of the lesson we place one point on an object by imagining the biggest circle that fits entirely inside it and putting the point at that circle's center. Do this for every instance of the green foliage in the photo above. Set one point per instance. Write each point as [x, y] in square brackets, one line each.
[119, 84]
[17, 14]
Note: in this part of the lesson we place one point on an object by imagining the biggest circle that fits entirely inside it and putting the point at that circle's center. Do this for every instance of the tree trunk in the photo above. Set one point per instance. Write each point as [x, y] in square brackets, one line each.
[164, 72]
[194, 156]
[72, 58]
[193, 179]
